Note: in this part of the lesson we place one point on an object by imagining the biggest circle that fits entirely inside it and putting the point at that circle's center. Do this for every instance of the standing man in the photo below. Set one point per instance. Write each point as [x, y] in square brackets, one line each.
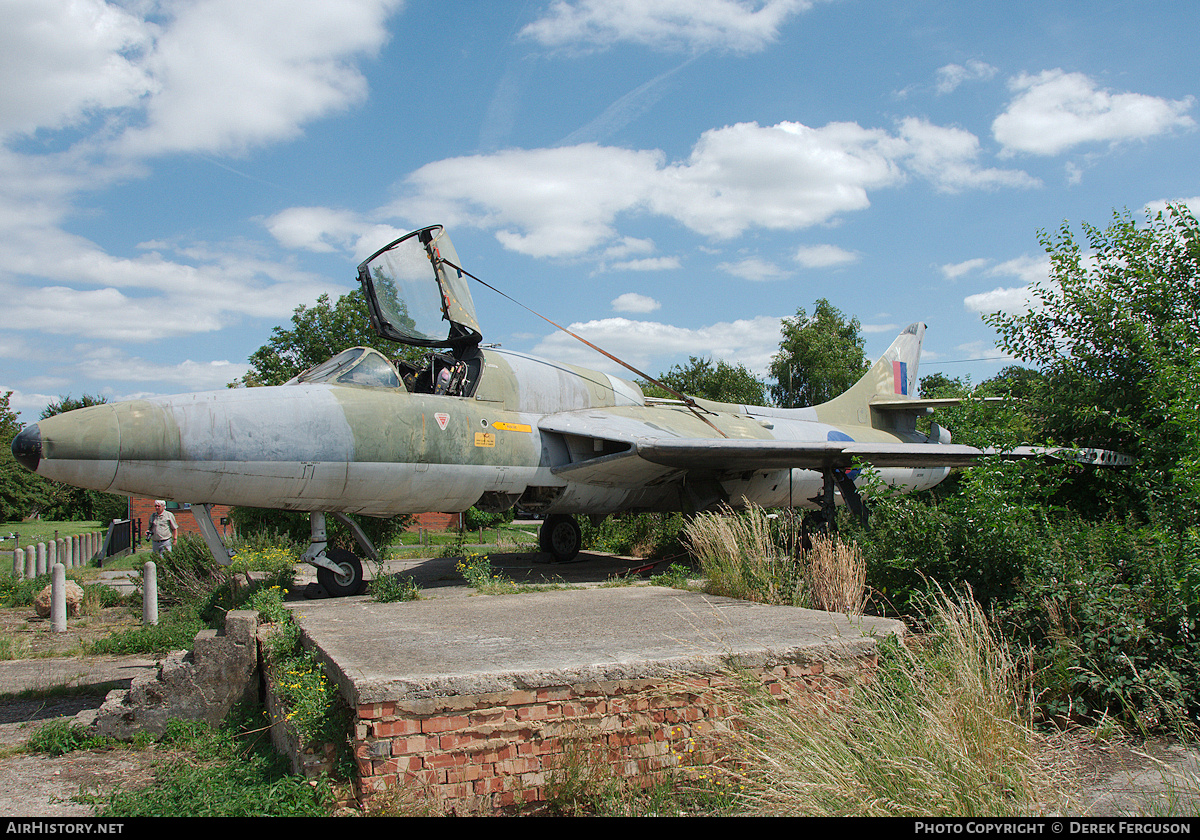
[162, 528]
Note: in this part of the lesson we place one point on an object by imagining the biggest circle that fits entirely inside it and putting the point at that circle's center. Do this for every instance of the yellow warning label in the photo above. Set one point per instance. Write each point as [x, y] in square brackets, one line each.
[512, 427]
[485, 439]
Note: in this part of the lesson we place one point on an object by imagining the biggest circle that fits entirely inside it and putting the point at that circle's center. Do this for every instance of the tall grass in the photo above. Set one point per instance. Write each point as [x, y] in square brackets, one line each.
[941, 729]
[750, 556]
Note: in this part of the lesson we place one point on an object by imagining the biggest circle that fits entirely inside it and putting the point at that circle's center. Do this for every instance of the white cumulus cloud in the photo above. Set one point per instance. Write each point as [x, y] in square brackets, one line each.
[951, 76]
[823, 256]
[736, 25]
[633, 302]
[1055, 111]
[739, 177]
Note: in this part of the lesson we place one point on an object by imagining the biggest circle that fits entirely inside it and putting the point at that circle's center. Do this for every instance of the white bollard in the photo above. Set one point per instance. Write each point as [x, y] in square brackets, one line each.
[18, 562]
[30, 562]
[58, 598]
[41, 559]
[149, 593]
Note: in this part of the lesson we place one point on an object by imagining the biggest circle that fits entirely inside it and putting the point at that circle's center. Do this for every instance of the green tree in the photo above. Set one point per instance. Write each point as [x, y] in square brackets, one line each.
[721, 382]
[818, 358]
[1115, 332]
[939, 386]
[69, 403]
[318, 332]
[21, 492]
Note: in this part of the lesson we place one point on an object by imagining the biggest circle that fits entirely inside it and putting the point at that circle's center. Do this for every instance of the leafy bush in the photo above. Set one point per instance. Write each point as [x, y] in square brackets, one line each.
[1110, 615]
[293, 527]
[473, 518]
[648, 535]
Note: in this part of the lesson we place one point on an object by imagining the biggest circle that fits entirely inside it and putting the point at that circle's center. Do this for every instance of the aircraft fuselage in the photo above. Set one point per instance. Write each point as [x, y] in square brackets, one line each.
[384, 450]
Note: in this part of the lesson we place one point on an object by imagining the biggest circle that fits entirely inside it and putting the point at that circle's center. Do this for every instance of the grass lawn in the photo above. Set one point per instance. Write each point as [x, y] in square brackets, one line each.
[43, 530]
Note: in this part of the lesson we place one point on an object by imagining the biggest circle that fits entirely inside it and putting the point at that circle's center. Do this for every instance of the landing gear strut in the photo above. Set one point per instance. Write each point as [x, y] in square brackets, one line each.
[339, 572]
[560, 537]
[825, 519]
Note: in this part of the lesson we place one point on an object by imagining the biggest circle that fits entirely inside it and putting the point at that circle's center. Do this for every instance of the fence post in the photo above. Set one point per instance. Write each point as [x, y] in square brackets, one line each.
[149, 593]
[58, 598]
[18, 562]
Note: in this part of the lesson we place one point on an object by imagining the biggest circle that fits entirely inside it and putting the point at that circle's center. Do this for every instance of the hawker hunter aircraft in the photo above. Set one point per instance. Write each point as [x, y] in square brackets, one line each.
[365, 434]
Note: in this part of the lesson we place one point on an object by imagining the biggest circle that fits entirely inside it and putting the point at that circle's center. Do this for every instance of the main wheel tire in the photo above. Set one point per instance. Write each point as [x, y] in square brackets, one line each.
[348, 580]
[560, 537]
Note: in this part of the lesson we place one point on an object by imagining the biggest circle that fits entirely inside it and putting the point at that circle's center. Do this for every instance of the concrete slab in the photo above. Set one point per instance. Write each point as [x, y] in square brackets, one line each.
[438, 577]
[479, 644]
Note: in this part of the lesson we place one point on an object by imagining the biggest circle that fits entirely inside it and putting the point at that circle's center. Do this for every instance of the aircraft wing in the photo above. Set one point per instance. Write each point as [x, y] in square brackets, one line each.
[615, 450]
[742, 455]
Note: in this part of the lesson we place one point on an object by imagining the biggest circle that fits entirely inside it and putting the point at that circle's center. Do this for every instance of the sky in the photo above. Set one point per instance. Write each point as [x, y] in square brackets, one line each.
[667, 178]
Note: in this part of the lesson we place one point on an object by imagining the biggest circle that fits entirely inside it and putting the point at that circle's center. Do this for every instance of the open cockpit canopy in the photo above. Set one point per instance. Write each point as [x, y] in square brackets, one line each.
[415, 297]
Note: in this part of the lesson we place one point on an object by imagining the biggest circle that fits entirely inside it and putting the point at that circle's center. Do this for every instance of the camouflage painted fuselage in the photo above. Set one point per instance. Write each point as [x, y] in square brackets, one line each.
[552, 437]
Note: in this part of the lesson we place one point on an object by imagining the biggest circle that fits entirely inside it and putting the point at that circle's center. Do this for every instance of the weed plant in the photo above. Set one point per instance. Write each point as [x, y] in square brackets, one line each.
[477, 570]
[388, 588]
[942, 729]
[197, 593]
[749, 555]
[311, 701]
[232, 772]
[676, 576]
[175, 631]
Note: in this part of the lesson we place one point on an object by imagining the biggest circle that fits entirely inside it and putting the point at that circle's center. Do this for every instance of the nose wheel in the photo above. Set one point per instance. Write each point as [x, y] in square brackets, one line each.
[347, 580]
[560, 537]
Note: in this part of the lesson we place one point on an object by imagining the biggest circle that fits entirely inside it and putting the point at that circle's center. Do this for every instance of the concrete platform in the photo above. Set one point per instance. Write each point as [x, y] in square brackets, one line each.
[478, 644]
[479, 702]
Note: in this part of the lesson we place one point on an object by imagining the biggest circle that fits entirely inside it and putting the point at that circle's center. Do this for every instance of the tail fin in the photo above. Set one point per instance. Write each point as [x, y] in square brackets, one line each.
[893, 376]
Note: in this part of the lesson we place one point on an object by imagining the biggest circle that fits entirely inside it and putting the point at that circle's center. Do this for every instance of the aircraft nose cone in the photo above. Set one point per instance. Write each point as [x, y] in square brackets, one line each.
[27, 447]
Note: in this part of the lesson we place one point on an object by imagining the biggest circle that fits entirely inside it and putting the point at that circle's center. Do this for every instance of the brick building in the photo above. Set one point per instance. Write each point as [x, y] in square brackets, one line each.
[140, 510]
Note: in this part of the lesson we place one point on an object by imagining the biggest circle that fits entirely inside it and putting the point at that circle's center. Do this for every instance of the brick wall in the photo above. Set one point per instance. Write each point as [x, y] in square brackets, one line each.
[487, 752]
[434, 521]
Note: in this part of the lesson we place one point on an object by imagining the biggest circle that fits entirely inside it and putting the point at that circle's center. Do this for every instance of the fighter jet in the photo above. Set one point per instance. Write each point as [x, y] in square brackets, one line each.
[487, 427]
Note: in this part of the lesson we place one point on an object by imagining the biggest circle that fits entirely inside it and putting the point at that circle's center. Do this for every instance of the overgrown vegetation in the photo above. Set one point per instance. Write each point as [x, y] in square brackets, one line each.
[234, 772]
[757, 557]
[940, 729]
[654, 536]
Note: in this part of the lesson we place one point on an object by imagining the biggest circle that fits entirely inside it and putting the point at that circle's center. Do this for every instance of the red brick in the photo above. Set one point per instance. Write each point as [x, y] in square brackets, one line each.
[443, 723]
[393, 728]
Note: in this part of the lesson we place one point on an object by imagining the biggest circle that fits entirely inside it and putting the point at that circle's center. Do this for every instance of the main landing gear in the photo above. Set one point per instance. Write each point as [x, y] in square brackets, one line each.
[824, 520]
[560, 537]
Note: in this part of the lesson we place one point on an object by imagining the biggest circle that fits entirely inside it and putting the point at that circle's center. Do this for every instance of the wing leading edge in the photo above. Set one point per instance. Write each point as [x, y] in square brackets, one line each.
[741, 455]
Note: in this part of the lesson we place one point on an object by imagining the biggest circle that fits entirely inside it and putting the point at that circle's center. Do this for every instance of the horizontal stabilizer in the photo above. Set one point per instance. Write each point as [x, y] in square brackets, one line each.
[886, 404]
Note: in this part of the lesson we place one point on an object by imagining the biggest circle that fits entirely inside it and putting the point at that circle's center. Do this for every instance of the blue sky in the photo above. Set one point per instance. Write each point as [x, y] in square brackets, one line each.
[669, 178]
